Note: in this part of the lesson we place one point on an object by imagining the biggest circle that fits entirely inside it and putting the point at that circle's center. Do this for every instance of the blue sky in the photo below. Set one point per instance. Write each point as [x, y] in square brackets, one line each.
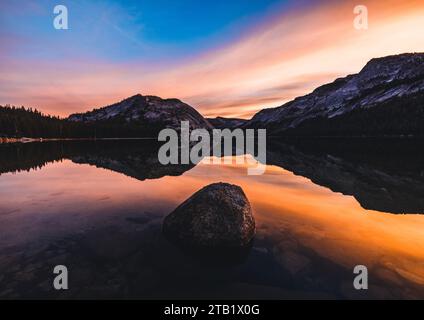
[129, 29]
[225, 58]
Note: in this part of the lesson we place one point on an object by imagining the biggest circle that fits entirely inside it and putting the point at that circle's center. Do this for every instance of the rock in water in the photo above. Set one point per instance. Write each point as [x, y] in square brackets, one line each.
[219, 215]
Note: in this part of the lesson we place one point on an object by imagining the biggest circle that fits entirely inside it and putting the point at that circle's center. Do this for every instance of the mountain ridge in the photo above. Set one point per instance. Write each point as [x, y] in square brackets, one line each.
[147, 111]
[385, 98]
[381, 81]
[226, 123]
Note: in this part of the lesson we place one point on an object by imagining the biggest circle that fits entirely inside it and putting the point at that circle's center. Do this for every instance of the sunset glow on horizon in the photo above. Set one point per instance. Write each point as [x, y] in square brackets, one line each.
[256, 57]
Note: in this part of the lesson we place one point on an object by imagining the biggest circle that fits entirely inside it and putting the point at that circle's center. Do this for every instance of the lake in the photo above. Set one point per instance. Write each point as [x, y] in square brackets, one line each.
[321, 208]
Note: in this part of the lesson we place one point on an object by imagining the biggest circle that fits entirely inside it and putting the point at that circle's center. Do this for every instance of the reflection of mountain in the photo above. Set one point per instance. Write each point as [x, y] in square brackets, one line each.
[135, 158]
[383, 175]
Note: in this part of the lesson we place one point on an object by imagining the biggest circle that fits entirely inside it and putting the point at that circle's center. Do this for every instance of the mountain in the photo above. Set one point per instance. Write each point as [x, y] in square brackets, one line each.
[385, 98]
[137, 116]
[142, 116]
[226, 123]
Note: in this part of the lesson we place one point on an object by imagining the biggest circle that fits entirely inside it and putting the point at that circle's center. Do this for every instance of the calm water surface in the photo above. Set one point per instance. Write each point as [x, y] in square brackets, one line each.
[97, 207]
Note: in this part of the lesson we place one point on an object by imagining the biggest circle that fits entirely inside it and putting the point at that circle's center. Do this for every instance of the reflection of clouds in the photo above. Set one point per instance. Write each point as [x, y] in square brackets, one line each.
[299, 223]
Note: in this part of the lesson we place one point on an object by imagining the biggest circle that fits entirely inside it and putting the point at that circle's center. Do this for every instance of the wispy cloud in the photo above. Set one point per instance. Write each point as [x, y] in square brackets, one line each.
[287, 55]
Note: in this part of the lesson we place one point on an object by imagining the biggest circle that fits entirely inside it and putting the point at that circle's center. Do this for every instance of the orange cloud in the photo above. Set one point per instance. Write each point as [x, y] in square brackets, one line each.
[286, 56]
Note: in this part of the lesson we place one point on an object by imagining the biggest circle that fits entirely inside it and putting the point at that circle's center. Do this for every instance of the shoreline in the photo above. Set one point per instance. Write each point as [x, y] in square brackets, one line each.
[29, 140]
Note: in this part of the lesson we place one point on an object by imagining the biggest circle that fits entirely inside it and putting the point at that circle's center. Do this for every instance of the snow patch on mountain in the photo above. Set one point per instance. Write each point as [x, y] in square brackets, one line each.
[380, 81]
[146, 110]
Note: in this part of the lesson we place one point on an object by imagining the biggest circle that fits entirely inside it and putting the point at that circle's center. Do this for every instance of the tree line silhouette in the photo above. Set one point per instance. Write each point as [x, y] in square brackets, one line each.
[395, 118]
[18, 122]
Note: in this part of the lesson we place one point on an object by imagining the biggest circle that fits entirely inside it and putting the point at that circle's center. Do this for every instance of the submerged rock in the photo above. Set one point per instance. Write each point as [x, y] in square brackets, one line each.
[219, 215]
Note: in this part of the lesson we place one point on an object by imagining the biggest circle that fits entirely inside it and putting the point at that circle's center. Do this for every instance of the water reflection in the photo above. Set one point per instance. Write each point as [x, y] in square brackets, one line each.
[134, 158]
[83, 210]
[382, 174]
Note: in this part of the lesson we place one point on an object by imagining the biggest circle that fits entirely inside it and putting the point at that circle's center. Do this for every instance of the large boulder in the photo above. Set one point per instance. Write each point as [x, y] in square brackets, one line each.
[219, 215]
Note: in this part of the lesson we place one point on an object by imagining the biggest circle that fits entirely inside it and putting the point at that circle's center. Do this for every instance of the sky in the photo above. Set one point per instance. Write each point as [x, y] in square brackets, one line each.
[225, 58]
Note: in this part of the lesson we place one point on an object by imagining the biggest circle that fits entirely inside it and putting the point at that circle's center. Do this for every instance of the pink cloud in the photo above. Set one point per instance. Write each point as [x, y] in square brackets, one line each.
[286, 56]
